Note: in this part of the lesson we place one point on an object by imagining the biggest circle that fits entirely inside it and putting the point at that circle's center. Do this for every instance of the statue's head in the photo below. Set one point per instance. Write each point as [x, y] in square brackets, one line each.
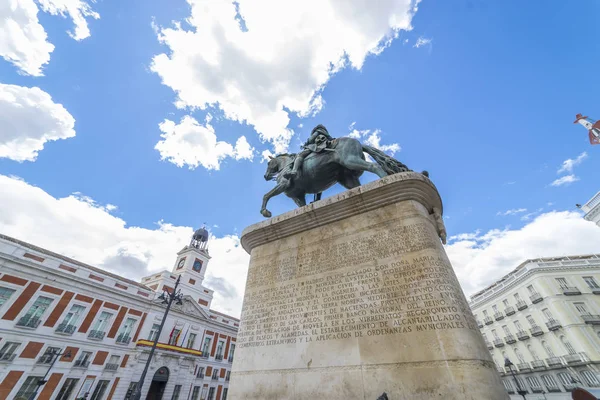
[322, 130]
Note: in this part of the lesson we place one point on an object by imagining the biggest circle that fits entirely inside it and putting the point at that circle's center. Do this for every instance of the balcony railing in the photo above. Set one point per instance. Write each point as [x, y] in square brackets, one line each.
[500, 369]
[536, 331]
[111, 367]
[45, 359]
[26, 322]
[509, 311]
[98, 335]
[553, 325]
[553, 388]
[524, 367]
[7, 356]
[230, 359]
[81, 363]
[205, 354]
[498, 316]
[591, 319]
[573, 358]
[538, 364]
[569, 386]
[200, 376]
[510, 339]
[595, 290]
[219, 357]
[553, 361]
[536, 298]
[66, 329]
[498, 342]
[521, 305]
[123, 339]
[570, 291]
[488, 320]
[489, 345]
[522, 335]
[479, 324]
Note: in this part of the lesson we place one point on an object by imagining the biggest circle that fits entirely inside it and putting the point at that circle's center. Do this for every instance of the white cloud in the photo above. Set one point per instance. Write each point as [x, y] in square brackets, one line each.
[257, 61]
[569, 164]
[528, 216]
[481, 259]
[23, 40]
[422, 41]
[78, 227]
[77, 10]
[191, 143]
[565, 180]
[372, 138]
[28, 119]
[513, 211]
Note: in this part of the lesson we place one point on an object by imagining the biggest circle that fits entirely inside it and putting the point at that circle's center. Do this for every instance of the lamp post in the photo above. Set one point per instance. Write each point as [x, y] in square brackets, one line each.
[510, 365]
[42, 382]
[167, 298]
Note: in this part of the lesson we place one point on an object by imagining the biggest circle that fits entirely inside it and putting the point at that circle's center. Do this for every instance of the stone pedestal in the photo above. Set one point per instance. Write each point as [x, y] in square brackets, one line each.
[354, 296]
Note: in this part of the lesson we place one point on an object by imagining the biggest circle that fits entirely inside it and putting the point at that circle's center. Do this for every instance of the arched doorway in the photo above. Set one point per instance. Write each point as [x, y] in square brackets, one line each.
[159, 382]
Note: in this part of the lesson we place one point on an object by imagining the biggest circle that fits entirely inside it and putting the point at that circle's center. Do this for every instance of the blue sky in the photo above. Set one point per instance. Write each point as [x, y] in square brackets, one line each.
[485, 103]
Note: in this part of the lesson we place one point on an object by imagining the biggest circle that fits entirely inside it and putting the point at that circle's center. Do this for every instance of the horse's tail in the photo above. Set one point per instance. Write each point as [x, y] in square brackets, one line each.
[389, 164]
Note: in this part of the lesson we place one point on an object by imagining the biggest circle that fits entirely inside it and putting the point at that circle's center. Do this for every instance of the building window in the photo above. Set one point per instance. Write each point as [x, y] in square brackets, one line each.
[485, 313]
[566, 379]
[48, 355]
[495, 308]
[154, 332]
[67, 389]
[520, 356]
[531, 290]
[206, 347]
[113, 363]
[7, 353]
[220, 346]
[5, 294]
[228, 376]
[174, 337]
[196, 393]
[549, 381]
[581, 308]
[517, 297]
[591, 282]
[124, 335]
[176, 392]
[224, 397]
[215, 374]
[84, 359]
[505, 329]
[547, 314]
[534, 382]
[200, 373]
[530, 320]
[231, 351]
[100, 390]
[132, 387]
[505, 302]
[518, 326]
[191, 340]
[84, 392]
[99, 328]
[28, 387]
[32, 318]
[562, 282]
[590, 378]
[211, 393]
[533, 353]
[567, 345]
[495, 334]
[508, 386]
[548, 349]
[71, 319]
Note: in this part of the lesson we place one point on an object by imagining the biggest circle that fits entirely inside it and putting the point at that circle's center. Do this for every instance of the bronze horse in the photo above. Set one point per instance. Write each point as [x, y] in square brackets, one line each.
[343, 164]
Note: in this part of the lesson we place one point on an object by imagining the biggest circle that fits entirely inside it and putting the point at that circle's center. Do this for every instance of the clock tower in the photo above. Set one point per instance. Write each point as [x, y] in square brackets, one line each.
[190, 264]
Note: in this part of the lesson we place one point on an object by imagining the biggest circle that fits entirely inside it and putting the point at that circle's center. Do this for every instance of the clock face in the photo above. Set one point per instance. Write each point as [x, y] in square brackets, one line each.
[197, 265]
[181, 262]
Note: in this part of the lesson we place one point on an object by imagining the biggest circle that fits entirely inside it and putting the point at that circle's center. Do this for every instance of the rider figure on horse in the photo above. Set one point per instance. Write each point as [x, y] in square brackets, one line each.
[318, 141]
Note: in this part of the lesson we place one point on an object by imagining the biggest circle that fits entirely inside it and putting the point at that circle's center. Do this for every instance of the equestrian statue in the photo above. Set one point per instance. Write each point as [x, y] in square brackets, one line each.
[323, 162]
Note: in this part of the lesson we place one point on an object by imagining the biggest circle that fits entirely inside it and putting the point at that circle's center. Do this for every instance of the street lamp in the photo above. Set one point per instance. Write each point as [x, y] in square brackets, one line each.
[54, 354]
[167, 298]
[510, 365]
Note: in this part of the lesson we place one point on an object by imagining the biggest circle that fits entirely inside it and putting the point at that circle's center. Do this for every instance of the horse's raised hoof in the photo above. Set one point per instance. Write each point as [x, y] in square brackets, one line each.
[266, 213]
